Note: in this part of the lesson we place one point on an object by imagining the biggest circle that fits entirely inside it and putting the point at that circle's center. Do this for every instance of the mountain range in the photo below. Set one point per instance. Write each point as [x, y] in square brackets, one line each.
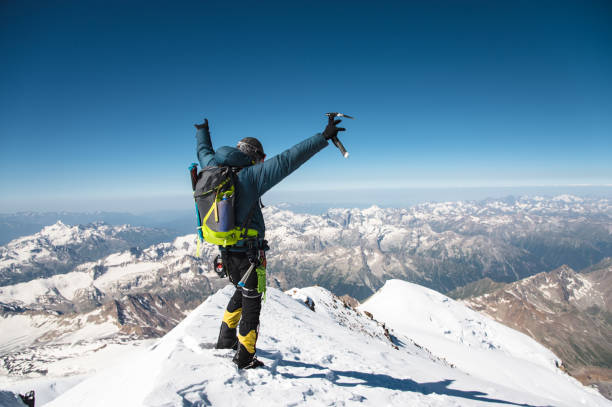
[439, 245]
[353, 251]
[69, 290]
[65, 270]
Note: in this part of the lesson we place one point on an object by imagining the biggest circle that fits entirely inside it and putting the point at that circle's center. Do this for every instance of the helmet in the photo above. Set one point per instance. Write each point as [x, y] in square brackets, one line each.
[252, 147]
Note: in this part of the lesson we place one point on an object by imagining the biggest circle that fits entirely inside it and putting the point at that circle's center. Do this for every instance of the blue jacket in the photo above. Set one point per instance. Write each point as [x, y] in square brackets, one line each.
[255, 180]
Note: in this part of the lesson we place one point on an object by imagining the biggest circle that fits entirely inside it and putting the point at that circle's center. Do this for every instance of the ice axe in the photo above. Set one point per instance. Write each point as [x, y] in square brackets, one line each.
[336, 140]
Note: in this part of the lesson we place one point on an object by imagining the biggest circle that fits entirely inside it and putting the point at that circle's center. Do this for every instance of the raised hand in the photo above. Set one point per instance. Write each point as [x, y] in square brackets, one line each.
[331, 130]
[202, 126]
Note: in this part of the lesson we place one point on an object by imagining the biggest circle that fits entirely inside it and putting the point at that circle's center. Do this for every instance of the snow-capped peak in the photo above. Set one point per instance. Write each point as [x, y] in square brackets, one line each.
[57, 226]
[58, 248]
[431, 317]
[568, 198]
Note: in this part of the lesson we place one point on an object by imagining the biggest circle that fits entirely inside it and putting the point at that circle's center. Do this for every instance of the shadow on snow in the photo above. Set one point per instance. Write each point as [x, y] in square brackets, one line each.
[382, 381]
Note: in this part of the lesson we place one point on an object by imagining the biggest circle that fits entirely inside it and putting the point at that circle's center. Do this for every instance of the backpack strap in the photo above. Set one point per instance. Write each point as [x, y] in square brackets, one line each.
[247, 221]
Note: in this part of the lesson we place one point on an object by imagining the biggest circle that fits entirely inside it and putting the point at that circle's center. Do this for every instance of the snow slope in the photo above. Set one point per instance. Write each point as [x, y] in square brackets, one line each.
[473, 342]
[66, 366]
[332, 356]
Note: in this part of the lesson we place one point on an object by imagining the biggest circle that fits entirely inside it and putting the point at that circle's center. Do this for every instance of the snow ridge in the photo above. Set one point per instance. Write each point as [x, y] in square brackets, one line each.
[333, 355]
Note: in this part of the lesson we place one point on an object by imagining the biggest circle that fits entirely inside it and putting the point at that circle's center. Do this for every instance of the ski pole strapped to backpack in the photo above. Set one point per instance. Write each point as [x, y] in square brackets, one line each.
[214, 191]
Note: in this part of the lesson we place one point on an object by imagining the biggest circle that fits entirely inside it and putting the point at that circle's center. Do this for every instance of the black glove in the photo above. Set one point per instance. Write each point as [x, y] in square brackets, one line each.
[331, 130]
[202, 126]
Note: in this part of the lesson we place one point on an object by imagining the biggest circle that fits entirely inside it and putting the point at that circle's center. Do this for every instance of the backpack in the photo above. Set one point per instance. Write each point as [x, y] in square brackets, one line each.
[214, 191]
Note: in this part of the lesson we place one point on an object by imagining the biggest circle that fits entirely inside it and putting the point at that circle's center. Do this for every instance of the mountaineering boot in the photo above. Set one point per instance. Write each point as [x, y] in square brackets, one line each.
[245, 360]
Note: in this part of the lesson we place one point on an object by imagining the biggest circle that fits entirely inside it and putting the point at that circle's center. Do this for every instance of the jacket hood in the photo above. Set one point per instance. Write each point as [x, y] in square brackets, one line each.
[232, 157]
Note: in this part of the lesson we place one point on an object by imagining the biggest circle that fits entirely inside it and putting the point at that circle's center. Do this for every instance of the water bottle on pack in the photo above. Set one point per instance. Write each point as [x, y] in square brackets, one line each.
[226, 215]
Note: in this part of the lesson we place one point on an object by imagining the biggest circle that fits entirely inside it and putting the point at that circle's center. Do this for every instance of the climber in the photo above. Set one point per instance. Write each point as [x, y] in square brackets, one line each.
[254, 176]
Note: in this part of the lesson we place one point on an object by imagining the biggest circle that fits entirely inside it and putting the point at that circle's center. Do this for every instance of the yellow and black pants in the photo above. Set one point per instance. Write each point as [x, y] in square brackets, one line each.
[242, 311]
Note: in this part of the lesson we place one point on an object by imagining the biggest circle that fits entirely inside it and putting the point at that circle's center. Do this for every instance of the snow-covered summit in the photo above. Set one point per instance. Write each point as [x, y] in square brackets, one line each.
[335, 355]
[133, 268]
[568, 198]
[57, 248]
[453, 331]
[60, 234]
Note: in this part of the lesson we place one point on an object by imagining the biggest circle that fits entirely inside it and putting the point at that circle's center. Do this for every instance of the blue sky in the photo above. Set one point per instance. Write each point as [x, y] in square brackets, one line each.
[98, 99]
